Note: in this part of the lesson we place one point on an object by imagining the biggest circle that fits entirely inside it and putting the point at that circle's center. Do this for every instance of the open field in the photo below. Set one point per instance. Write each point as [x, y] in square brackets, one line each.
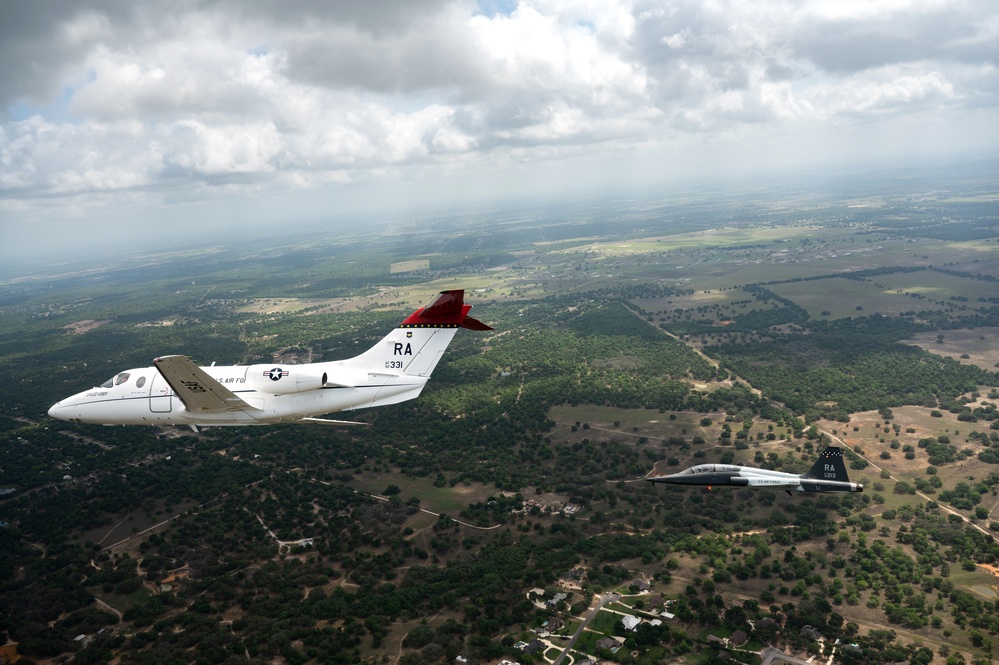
[940, 287]
[849, 298]
[409, 266]
[449, 500]
[980, 345]
[81, 327]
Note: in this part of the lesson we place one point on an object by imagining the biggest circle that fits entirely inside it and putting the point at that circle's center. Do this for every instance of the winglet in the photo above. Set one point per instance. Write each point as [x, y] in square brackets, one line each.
[447, 310]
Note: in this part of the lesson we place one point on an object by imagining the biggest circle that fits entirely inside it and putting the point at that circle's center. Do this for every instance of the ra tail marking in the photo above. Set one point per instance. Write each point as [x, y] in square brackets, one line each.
[417, 344]
[829, 466]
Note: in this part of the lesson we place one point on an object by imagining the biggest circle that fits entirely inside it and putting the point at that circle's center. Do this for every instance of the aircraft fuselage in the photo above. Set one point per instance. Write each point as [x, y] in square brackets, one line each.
[828, 475]
[175, 391]
[145, 398]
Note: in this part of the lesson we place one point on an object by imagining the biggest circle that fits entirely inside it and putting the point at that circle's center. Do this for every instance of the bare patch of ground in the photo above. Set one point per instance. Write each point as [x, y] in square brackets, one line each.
[86, 325]
[990, 568]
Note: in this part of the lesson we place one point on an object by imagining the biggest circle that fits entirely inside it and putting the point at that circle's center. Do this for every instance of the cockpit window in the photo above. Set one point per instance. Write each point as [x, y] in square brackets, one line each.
[139, 382]
[108, 383]
[121, 378]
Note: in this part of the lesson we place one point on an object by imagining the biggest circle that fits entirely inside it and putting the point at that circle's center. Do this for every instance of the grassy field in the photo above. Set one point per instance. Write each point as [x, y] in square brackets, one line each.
[604, 622]
[938, 285]
[409, 266]
[981, 345]
[842, 297]
[444, 500]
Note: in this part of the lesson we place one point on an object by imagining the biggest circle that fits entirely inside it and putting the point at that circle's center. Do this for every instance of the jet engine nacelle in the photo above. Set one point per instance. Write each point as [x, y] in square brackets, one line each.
[285, 379]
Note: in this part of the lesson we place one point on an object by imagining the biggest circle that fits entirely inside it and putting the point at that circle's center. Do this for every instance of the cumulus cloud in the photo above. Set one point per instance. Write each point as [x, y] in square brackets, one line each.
[107, 98]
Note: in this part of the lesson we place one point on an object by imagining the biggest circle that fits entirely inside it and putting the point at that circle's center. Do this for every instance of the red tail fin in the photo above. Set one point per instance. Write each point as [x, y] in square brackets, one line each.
[447, 310]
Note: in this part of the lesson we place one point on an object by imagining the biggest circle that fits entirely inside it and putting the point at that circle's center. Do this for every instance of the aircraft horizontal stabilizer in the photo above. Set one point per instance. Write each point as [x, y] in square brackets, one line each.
[447, 310]
[474, 324]
[199, 392]
[326, 421]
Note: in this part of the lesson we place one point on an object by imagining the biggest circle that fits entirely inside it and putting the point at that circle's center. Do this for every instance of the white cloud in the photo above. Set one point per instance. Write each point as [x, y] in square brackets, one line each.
[151, 105]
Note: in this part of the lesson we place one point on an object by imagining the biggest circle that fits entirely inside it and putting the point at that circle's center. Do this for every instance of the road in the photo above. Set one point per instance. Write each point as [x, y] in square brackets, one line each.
[609, 598]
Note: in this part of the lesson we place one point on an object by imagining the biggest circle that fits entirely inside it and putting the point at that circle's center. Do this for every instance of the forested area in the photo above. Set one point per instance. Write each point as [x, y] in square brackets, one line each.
[266, 544]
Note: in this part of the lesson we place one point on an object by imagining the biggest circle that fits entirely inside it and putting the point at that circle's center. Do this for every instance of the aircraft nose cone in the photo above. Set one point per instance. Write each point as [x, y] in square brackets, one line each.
[58, 411]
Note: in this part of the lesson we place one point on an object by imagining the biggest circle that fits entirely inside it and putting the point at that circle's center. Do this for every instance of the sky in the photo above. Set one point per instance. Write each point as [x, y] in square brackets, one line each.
[132, 122]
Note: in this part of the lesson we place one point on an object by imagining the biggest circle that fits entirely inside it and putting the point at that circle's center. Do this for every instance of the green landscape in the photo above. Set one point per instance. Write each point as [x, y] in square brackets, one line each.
[630, 339]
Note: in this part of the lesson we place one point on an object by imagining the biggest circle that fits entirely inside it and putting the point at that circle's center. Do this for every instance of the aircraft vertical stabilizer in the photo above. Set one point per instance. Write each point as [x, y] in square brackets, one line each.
[417, 344]
[829, 466]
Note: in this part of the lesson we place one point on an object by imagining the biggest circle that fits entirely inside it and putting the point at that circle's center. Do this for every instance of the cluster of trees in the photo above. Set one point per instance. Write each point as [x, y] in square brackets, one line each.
[856, 363]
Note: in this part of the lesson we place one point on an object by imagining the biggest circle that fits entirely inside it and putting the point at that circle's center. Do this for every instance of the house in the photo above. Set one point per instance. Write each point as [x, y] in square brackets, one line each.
[461, 660]
[641, 585]
[714, 639]
[508, 662]
[572, 578]
[533, 646]
[553, 624]
[738, 638]
[631, 622]
[811, 633]
[656, 603]
[556, 599]
[608, 643]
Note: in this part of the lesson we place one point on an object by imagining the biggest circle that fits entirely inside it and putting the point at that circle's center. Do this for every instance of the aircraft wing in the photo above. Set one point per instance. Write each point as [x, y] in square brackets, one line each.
[198, 391]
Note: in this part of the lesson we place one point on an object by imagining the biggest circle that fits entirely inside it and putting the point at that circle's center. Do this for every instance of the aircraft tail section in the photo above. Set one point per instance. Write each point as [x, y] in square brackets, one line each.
[830, 466]
[417, 344]
[447, 310]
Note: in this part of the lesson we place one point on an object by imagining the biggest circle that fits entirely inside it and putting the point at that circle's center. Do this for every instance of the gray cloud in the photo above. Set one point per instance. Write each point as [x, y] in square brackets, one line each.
[429, 53]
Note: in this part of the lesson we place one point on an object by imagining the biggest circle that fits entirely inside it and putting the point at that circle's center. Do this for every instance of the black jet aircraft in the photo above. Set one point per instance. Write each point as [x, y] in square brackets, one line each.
[827, 475]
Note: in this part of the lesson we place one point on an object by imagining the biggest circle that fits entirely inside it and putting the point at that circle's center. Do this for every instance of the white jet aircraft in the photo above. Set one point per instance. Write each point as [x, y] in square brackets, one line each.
[175, 391]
